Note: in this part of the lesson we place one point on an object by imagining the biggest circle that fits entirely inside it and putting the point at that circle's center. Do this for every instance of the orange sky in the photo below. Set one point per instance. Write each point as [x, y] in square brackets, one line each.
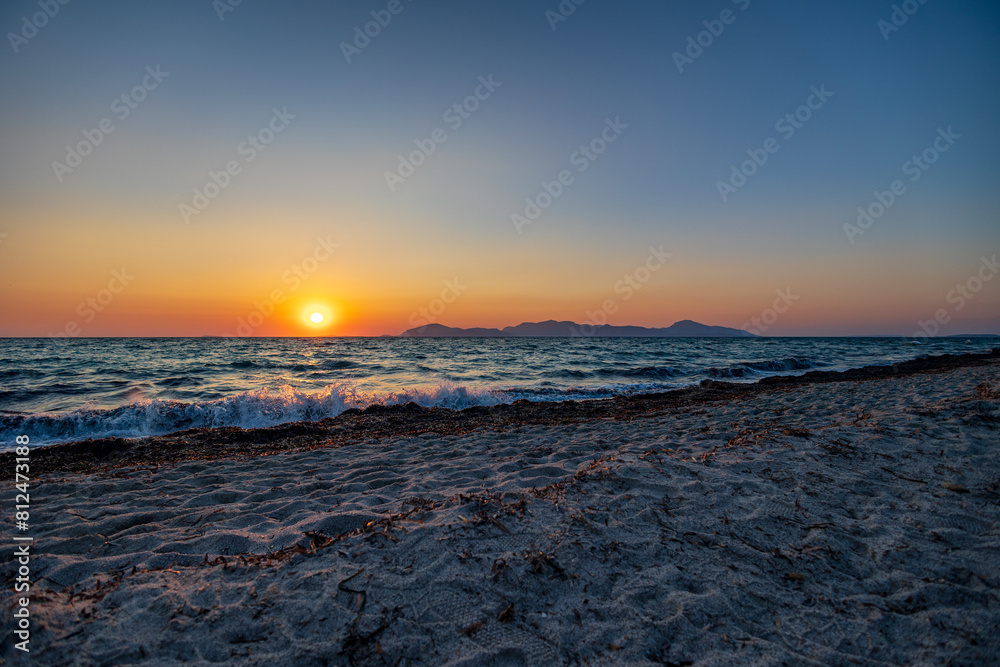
[226, 278]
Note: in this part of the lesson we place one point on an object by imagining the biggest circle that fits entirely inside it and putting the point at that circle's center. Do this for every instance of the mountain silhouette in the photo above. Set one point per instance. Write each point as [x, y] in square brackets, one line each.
[552, 329]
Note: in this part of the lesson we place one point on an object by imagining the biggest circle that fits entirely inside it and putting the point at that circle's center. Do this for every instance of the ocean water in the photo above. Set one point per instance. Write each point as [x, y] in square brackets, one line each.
[59, 390]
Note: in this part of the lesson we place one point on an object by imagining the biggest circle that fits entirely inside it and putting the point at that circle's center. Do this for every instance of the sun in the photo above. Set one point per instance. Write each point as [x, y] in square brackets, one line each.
[318, 316]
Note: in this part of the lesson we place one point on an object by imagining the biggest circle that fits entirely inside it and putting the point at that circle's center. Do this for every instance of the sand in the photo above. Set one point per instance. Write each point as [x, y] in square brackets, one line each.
[833, 522]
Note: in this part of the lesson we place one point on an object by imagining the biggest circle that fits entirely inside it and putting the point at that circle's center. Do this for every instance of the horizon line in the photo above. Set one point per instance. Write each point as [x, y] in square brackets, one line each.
[754, 336]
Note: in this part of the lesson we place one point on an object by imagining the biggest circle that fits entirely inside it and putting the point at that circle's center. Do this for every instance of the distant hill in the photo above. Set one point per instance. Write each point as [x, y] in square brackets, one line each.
[694, 329]
[543, 329]
[552, 328]
[441, 331]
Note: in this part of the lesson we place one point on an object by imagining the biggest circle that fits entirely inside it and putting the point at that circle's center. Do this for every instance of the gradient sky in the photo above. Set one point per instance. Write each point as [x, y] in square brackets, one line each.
[323, 176]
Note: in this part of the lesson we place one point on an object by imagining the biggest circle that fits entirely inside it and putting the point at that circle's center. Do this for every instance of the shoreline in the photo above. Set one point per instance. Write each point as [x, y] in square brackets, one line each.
[825, 521]
[380, 422]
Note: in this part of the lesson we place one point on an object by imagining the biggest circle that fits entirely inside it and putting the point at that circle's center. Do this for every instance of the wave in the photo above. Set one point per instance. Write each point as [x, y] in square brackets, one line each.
[579, 393]
[142, 416]
[571, 374]
[643, 372]
[338, 364]
[639, 372]
[757, 368]
[184, 381]
[252, 409]
[7, 373]
[542, 393]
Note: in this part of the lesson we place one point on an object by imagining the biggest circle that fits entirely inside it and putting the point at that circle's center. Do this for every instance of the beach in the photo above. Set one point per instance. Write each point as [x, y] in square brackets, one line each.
[829, 518]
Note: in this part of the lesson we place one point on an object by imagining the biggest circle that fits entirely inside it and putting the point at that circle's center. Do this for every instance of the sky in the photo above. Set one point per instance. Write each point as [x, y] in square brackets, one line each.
[192, 167]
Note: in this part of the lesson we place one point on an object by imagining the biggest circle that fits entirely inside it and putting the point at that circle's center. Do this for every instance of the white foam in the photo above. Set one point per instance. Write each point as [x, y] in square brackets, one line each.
[251, 409]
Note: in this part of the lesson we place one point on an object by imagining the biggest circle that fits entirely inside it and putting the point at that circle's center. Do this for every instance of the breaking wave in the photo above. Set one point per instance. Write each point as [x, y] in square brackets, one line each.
[251, 409]
[759, 368]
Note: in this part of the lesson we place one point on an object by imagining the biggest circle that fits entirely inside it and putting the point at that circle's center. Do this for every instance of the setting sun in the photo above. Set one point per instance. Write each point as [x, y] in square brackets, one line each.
[317, 315]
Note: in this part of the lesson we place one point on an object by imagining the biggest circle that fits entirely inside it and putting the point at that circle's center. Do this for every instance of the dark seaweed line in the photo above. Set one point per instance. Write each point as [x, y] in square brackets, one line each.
[380, 422]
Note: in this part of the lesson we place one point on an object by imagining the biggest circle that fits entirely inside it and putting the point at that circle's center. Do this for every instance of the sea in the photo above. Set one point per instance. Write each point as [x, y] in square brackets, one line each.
[62, 390]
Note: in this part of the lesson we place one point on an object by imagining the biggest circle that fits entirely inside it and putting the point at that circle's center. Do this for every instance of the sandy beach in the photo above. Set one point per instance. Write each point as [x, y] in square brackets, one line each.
[834, 519]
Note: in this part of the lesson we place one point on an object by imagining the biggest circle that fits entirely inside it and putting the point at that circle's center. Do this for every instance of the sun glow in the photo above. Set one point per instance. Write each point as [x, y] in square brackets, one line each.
[317, 315]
